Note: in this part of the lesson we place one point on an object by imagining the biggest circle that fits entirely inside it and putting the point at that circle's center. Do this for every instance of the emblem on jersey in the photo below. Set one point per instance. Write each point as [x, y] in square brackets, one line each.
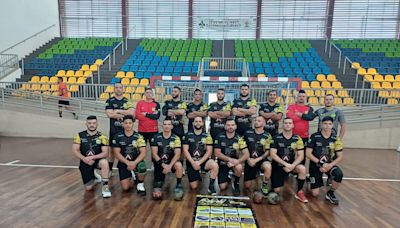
[90, 153]
[254, 154]
[129, 157]
[172, 144]
[323, 159]
[164, 157]
[196, 153]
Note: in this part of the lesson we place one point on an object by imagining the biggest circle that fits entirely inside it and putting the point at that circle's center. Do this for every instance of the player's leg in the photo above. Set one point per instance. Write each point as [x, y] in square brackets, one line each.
[315, 180]
[212, 166]
[140, 172]
[301, 178]
[179, 173]
[337, 176]
[278, 177]
[223, 177]
[250, 174]
[193, 176]
[103, 166]
[87, 174]
[238, 169]
[266, 168]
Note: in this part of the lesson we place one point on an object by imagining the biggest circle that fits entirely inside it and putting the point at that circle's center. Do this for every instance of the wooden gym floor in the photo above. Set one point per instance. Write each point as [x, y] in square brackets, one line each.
[41, 187]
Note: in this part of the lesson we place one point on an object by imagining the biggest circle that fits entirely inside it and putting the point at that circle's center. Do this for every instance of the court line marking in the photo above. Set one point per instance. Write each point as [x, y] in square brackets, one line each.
[13, 164]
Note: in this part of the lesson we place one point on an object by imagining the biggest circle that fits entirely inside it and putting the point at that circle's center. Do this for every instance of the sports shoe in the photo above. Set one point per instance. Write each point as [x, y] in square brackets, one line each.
[97, 176]
[211, 190]
[105, 191]
[330, 196]
[140, 189]
[235, 189]
[178, 192]
[301, 196]
[264, 189]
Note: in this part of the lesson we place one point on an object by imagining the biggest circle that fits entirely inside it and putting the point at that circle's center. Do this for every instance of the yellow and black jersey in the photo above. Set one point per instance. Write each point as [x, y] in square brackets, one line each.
[287, 147]
[129, 145]
[197, 144]
[174, 105]
[325, 149]
[257, 144]
[166, 146]
[231, 147]
[90, 144]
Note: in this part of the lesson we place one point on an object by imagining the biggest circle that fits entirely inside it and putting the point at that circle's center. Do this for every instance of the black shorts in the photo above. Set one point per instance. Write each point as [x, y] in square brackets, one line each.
[194, 175]
[316, 176]
[223, 173]
[278, 176]
[87, 171]
[148, 135]
[251, 173]
[178, 130]
[159, 176]
[63, 103]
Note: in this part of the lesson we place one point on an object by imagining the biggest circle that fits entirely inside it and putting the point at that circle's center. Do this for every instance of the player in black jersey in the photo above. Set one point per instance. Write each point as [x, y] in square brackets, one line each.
[174, 110]
[91, 147]
[166, 151]
[218, 112]
[258, 142]
[325, 151]
[272, 113]
[287, 152]
[196, 108]
[116, 108]
[130, 150]
[231, 151]
[197, 148]
[243, 108]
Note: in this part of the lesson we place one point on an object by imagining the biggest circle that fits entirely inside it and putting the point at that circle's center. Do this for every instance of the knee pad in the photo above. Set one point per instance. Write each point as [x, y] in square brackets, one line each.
[141, 168]
[337, 174]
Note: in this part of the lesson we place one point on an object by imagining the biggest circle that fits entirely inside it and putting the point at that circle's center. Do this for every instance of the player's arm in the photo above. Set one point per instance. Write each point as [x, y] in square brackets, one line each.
[237, 112]
[142, 155]
[266, 115]
[275, 157]
[165, 109]
[156, 114]
[104, 147]
[113, 114]
[299, 157]
[209, 149]
[310, 115]
[290, 113]
[245, 155]
[195, 114]
[185, 148]
[343, 127]
[177, 155]
[310, 156]
[76, 151]
[154, 154]
[220, 155]
[338, 151]
[118, 155]
[139, 115]
[129, 111]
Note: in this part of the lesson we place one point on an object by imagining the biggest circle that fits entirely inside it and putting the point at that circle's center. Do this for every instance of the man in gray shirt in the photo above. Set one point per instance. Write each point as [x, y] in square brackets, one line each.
[330, 110]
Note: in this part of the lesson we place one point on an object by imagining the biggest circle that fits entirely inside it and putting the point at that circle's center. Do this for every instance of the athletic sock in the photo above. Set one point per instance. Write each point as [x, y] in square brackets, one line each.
[104, 181]
[212, 181]
[300, 184]
[237, 179]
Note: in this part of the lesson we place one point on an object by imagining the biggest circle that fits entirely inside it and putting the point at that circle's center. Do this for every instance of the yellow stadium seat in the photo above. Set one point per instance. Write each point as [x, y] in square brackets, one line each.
[44, 79]
[396, 85]
[392, 101]
[313, 101]
[348, 101]
[45, 87]
[321, 77]
[160, 90]
[94, 68]
[213, 64]
[127, 96]
[338, 101]
[120, 74]
[73, 88]
[368, 78]
[130, 89]
[395, 93]
[158, 97]
[139, 89]
[326, 85]
[55, 93]
[60, 73]
[290, 100]
[384, 93]
[54, 88]
[98, 62]
[71, 80]
[309, 92]
[137, 97]
[286, 92]
[26, 86]
[88, 73]
[295, 92]
[331, 78]
[130, 75]
[35, 79]
[386, 85]
[332, 92]
[361, 71]
[65, 79]
[134, 81]
[85, 67]
[261, 76]
[35, 87]
[279, 100]
[337, 85]
[355, 65]
[321, 101]
[319, 93]
[125, 81]
[46, 93]
[70, 73]
[371, 71]
[315, 85]
[343, 93]
[81, 80]
[375, 85]
[79, 73]
[144, 82]
[397, 79]
[378, 78]
[389, 78]
[305, 84]
[167, 97]
[53, 79]
[104, 96]
[109, 89]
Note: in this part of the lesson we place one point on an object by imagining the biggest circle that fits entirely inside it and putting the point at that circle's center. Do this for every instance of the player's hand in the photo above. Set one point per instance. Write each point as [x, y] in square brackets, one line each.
[88, 161]
[196, 165]
[170, 113]
[327, 166]
[251, 162]
[286, 169]
[167, 169]
[132, 165]
[299, 114]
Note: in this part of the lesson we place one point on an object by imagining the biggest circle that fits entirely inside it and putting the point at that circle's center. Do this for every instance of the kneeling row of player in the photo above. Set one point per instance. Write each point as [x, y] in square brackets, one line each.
[248, 154]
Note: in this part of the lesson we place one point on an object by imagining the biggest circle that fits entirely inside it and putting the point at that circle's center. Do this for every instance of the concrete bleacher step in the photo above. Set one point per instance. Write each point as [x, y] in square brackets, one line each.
[347, 79]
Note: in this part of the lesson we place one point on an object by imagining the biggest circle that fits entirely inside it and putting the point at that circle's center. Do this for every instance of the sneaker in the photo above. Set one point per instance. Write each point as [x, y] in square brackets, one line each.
[211, 190]
[264, 189]
[301, 196]
[105, 191]
[97, 176]
[178, 192]
[330, 196]
[235, 189]
[140, 189]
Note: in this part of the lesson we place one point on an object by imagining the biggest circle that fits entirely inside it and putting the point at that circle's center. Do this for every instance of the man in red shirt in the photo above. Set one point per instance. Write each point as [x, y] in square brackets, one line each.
[299, 113]
[64, 98]
[147, 113]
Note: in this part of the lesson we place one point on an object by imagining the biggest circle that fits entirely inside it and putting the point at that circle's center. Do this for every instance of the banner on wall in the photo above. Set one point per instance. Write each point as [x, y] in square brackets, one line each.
[226, 24]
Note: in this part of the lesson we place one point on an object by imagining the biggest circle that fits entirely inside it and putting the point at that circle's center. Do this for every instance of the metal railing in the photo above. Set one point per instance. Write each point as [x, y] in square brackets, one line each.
[8, 64]
[328, 45]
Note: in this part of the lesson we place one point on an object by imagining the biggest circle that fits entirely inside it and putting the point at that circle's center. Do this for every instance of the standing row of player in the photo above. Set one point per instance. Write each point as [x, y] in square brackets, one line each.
[237, 146]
